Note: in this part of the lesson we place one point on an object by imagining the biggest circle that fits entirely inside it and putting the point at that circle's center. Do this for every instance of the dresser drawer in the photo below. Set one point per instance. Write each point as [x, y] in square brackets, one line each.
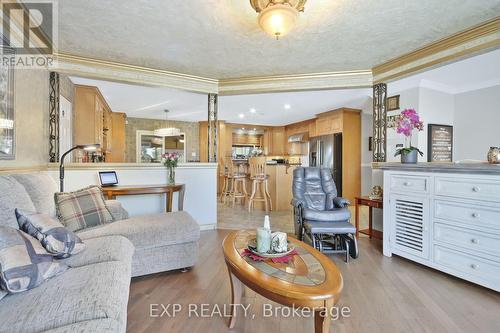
[405, 183]
[468, 239]
[484, 217]
[476, 267]
[478, 189]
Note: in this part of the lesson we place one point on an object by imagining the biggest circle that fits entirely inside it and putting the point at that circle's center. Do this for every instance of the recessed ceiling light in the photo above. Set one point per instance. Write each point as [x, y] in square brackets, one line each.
[288, 106]
[243, 128]
[254, 129]
[252, 110]
[241, 115]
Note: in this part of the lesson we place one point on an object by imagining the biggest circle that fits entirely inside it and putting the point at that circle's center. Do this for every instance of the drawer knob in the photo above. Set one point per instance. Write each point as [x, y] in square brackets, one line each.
[476, 215]
[407, 184]
[473, 241]
[476, 189]
[473, 266]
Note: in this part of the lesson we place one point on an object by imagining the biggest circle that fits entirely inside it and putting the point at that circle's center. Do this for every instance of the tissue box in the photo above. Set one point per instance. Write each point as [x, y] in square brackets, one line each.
[279, 242]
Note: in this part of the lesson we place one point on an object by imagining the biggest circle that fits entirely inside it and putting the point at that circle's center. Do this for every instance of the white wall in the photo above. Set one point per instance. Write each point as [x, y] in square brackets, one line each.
[477, 123]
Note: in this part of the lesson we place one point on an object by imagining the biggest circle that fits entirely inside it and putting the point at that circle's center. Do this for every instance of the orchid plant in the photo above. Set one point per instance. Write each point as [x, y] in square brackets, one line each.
[406, 122]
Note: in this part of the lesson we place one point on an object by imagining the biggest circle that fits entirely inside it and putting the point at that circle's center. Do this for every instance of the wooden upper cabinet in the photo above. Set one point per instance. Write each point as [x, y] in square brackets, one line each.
[267, 142]
[246, 139]
[116, 153]
[329, 124]
[279, 141]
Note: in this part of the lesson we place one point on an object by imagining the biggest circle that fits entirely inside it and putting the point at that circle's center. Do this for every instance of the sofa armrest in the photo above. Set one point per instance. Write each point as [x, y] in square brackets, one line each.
[116, 209]
[340, 202]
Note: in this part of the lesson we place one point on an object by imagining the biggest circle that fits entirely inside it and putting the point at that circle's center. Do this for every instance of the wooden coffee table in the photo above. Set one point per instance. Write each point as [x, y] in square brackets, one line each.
[310, 280]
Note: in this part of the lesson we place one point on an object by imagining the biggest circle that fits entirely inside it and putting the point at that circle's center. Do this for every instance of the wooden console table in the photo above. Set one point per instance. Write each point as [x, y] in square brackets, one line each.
[112, 192]
[371, 203]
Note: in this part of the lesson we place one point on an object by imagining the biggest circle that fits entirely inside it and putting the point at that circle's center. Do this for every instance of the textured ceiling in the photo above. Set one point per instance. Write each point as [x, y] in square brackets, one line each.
[221, 38]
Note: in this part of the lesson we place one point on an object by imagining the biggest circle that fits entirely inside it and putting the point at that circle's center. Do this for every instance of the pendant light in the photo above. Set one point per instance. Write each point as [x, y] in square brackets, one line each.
[167, 131]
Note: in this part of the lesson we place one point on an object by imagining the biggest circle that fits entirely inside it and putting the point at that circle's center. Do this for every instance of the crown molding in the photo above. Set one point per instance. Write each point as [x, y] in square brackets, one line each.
[300, 82]
[114, 71]
[476, 39]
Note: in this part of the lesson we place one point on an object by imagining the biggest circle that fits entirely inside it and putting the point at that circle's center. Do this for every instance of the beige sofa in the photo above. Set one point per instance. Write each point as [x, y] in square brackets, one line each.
[92, 296]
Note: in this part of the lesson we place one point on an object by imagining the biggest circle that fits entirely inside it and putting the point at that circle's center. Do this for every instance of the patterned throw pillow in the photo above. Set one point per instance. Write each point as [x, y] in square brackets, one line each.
[55, 238]
[24, 263]
[82, 209]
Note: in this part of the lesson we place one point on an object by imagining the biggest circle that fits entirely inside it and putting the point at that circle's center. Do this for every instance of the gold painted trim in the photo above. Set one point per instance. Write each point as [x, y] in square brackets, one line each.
[121, 72]
[296, 82]
[474, 33]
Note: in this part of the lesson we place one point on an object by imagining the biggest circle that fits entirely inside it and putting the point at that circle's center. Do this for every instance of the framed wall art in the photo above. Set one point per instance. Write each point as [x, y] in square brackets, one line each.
[440, 143]
[393, 103]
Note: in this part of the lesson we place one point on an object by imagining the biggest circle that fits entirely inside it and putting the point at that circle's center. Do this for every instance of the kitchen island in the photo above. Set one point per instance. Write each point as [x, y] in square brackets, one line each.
[446, 216]
[279, 183]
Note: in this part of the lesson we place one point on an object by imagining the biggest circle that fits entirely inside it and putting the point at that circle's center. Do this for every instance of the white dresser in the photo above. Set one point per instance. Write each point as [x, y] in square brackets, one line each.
[447, 218]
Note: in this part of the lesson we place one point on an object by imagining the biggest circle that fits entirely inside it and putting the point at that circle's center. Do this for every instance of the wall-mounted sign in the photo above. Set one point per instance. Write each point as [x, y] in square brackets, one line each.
[440, 143]
[393, 103]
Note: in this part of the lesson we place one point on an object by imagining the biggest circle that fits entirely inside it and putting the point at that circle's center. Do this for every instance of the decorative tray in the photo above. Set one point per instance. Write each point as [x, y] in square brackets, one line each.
[252, 247]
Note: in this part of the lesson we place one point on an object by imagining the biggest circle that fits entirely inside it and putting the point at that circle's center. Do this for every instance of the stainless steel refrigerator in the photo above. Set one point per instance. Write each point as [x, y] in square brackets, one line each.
[326, 151]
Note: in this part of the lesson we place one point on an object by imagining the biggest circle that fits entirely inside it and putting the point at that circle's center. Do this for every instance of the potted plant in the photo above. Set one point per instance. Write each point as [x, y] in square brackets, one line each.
[406, 122]
[171, 160]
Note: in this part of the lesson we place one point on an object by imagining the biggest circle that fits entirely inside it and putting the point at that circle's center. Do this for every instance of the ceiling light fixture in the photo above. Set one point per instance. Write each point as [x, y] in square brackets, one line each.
[167, 131]
[252, 110]
[278, 17]
[287, 106]
[241, 115]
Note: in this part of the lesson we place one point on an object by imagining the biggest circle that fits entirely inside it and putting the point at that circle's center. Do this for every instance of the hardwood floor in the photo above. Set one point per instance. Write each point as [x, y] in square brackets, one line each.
[383, 295]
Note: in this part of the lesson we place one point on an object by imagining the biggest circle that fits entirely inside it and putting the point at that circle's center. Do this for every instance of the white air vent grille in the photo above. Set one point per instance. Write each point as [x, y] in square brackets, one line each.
[409, 225]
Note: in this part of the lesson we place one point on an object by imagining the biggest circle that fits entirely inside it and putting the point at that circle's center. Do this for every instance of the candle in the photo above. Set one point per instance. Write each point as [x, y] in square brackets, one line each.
[263, 240]
[278, 242]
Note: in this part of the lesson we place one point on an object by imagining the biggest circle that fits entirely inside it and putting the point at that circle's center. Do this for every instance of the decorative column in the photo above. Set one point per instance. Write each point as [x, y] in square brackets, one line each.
[54, 117]
[380, 122]
[212, 127]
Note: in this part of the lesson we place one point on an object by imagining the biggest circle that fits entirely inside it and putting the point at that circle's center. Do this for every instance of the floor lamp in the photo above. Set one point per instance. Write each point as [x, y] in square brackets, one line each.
[90, 147]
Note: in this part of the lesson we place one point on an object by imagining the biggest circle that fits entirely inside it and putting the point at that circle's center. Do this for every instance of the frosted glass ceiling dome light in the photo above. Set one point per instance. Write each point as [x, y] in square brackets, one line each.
[167, 131]
[278, 17]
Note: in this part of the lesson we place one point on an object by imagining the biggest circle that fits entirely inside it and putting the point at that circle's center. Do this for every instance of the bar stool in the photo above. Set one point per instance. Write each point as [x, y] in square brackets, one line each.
[238, 184]
[259, 179]
[227, 184]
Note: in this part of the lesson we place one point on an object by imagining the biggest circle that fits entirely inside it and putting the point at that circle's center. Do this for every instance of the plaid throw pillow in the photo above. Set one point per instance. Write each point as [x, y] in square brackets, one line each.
[24, 263]
[82, 209]
[55, 238]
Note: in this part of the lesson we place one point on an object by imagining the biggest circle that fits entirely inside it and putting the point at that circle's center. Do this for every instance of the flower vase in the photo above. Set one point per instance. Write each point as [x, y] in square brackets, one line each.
[171, 176]
[410, 158]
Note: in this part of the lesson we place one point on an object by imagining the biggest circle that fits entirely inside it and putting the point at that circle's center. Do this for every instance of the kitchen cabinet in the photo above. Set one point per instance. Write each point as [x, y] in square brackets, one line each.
[279, 141]
[267, 142]
[93, 122]
[116, 131]
[247, 140]
[329, 123]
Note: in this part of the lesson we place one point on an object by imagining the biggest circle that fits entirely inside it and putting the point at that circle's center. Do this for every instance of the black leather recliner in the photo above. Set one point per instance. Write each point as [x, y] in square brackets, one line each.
[320, 216]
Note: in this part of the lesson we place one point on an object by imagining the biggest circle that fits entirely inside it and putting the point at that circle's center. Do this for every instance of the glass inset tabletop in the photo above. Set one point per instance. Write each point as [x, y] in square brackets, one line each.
[304, 269]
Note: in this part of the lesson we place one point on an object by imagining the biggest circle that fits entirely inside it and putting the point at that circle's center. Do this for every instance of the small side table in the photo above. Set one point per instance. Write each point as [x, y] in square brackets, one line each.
[371, 203]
